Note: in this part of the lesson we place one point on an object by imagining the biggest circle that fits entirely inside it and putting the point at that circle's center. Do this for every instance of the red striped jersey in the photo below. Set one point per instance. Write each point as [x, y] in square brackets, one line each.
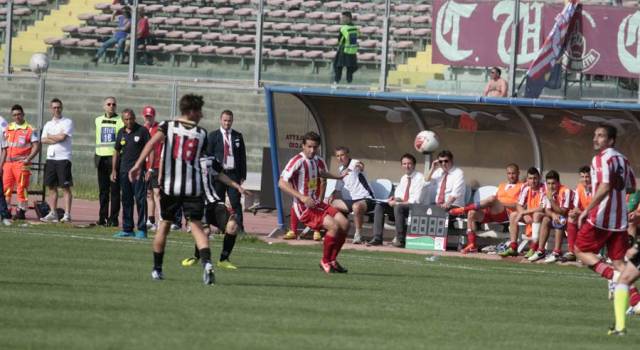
[563, 198]
[582, 197]
[610, 166]
[531, 197]
[184, 144]
[304, 175]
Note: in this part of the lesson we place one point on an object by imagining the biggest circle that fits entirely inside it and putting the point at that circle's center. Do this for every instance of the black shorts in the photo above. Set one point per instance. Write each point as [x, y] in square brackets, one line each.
[218, 215]
[153, 180]
[370, 203]
[57, 173]
[192, 207]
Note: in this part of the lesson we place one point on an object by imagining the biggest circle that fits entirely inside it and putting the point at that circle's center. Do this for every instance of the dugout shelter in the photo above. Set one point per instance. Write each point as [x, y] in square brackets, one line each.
[484, 133]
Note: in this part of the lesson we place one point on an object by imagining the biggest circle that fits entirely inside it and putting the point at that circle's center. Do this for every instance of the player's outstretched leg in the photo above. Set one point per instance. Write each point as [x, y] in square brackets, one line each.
[343, 228]
[202, 242]
[229, 242]
[159, 243]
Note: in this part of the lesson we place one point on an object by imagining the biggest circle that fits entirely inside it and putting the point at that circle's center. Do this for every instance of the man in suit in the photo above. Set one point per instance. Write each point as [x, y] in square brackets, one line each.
[227, 145]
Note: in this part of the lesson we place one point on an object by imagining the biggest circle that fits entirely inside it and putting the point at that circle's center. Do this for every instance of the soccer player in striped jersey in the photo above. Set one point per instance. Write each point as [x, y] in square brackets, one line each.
[556, 204]
[581, 199]
[492, 209]
[528, 210]
[216, 212]
[300, 179]
[604, 220]
[180, 180]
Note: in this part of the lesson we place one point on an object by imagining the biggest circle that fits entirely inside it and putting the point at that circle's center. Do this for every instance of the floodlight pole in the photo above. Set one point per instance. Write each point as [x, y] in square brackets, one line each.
[8, 38]
[385, 47]
[514, 48]
[41, 92]
[257, 64]
[133, 42]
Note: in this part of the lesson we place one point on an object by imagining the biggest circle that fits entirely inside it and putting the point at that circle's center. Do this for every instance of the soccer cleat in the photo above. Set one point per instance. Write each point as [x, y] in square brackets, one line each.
[374, 242]
[51, 217]
[189, 262]
[552, 258]
[357, 239]
[615, 332]
[569, 256]
[290, 235]
[157, 275]
[337, 267]
[530, 252]
[141, 235]
[149, 224]
[226, 264]
[470, 248]
[175, 227]
[208, 275]
[6, 222]
[317, 236]
[122, 234]
[508, 252]
[65, 218]
[456, 211]
[537, 256]
[397, 243]
[326, 267]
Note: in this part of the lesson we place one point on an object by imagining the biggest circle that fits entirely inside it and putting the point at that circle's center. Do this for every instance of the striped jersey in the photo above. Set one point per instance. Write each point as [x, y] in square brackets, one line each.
[304, 175]
[211, 168]
[610, 166]
[184, 144]
[582, 197]
[563, 198]
[354, 186]
[531, 197]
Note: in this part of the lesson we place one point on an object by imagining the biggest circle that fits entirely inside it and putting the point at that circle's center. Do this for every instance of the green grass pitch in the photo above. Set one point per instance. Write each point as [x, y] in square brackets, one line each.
[68, 288]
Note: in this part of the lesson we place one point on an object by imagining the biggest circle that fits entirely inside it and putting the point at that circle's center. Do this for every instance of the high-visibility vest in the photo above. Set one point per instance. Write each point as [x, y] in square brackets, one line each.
[19, 139]
[106, 131]
[349, 39]
[584, 196]
[508, 193]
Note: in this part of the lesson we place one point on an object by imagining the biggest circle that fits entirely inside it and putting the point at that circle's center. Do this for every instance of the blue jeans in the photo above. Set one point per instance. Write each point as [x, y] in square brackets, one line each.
[4, 210]
[135, 192]
[110, 42]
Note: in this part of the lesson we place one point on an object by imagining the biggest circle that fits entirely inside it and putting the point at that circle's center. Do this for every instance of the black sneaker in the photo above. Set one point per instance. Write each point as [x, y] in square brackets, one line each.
[374, 242]
[338, 268]
[20, 214]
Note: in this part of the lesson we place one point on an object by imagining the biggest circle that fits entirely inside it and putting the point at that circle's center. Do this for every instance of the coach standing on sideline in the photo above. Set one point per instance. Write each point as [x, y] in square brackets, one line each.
[227, 145]
[107, 126]
[57, 134]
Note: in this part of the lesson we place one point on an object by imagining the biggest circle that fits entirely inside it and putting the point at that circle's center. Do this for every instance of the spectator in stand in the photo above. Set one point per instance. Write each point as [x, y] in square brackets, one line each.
[153, 167]
[22, 144]
[496, 87]
[352, 193]
[347, 52]
[448, 180]
[143, 37]
[130, 142]
[119, 37]
[529, 211]
[556, 203]
[581, 200]
[492, 209]
[408, 192]
[57, 134]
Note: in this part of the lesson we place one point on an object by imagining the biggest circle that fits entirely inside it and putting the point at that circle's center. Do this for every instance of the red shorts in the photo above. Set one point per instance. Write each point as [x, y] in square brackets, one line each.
[313, 217]
[591, 239]
[488, 217]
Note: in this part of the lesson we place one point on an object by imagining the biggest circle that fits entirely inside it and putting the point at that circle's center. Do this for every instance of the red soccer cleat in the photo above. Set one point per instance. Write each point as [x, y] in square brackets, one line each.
[470, 248]
[326, 267]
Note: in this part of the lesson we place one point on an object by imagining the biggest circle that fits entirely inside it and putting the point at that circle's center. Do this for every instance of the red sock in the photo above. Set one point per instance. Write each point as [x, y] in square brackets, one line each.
[472, 237]
[294, 220]
[339, 242]
[603, 270]
[634, 296]
[559, 252]
[513, 245]
[472, 206]
[534, 246]
[572, 233]
[328, 247]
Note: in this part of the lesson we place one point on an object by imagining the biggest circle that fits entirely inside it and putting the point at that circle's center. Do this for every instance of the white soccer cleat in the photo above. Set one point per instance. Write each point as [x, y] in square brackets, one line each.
[208, 275]
[51, 217]
[65, 218]
[6, 222]
[157, 275]
[536, 256]
[552, 258]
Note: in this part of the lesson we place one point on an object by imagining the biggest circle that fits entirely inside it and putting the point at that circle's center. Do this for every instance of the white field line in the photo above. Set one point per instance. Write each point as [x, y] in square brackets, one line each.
[275, 251]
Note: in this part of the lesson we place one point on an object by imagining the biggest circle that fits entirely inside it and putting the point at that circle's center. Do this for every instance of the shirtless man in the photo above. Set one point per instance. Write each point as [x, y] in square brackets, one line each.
[496, 87]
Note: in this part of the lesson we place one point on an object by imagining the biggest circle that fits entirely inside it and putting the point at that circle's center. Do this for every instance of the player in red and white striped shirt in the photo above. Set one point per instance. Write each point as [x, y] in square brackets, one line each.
[301, 179]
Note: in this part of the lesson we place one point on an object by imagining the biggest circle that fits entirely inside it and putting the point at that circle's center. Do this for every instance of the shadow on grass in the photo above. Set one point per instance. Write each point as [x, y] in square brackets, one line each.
[294, 286]
[40, 284]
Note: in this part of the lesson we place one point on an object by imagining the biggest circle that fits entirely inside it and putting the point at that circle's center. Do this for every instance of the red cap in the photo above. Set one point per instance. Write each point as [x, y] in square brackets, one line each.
[148, 110]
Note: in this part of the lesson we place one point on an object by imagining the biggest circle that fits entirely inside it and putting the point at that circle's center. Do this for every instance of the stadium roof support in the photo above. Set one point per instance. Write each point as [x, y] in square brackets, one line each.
[484, 133]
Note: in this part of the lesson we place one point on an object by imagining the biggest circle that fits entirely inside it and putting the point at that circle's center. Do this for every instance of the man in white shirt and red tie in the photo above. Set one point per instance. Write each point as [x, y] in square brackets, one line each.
[227, 145]
[448, 180]
[407, 192]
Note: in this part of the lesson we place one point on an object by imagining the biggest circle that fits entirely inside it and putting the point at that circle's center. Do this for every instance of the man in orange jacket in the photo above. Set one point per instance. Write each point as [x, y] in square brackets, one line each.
[22, 144]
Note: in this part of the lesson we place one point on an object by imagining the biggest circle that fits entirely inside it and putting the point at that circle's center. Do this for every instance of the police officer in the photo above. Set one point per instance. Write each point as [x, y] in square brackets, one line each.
[347, 54]
[107, 126]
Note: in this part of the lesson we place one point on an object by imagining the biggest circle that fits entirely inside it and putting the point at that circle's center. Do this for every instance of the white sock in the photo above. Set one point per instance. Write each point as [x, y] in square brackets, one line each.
[535, 232]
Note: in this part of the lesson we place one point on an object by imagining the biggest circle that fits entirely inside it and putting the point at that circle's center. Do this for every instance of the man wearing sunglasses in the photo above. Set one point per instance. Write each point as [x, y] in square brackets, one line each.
[496, 87]
[447, 180]
[107, 127]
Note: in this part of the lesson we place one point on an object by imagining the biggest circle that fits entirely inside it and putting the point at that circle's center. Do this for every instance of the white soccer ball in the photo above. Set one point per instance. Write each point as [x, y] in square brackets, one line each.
[426, 141]
[39, 63]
